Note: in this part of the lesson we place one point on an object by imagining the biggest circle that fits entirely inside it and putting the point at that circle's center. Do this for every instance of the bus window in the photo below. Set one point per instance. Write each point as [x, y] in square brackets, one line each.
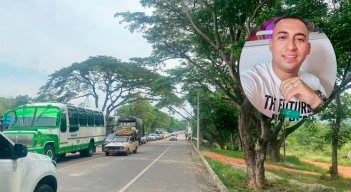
[90, 115]
[97, 118]
[46, 117]
[83, 120]
[73, 119]
[25, 117]
[63, 126]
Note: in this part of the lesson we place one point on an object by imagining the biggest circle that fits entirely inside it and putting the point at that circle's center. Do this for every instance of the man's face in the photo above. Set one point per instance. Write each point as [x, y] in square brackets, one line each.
[289, 46]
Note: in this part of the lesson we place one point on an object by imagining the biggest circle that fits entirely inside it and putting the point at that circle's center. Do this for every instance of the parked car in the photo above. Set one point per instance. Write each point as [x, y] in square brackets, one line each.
[158, 136]
[23, 171]
[143, 139]
[152, 137]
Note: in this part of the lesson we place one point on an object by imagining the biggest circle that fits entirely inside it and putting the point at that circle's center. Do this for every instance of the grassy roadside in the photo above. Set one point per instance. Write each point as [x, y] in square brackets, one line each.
[320, 156]
[235, 180]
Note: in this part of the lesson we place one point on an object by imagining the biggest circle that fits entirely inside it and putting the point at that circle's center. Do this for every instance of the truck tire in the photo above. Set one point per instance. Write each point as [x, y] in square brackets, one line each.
[135, 150]
[44, 188]
[49, 151]
[89, 151]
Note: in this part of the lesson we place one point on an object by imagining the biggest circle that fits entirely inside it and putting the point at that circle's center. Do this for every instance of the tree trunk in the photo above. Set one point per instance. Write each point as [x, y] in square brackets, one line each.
[335, 139]
[334, 168]
[273, 149]
[260, 158]
[248, 144]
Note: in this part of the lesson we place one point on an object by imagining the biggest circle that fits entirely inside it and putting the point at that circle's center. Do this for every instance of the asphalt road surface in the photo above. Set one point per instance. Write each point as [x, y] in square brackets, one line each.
[157, 166]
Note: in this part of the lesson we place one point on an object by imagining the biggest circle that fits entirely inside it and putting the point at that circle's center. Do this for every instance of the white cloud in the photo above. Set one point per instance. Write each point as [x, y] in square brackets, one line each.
[40, 37]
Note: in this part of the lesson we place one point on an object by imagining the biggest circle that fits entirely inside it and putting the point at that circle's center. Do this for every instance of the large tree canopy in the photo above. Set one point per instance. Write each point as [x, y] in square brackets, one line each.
[110, 82]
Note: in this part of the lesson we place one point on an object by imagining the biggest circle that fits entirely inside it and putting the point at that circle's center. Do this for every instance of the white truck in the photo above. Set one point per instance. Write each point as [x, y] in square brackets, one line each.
[125, 141]
[23, 171]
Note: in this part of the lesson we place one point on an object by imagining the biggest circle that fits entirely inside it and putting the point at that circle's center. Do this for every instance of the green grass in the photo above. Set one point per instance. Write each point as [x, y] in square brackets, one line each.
[305, 152]
[295, 163]
[229, 153]
[340, 184]
[235, 180]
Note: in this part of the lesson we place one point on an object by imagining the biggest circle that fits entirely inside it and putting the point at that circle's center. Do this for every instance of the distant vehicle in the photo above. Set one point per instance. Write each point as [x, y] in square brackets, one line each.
[159, 131]
[152, 137]
[4, 124]
[22, 171]
[173, 137]
[125, 142]
[144, 139]
[131, 122]
[159, 136]
[55, 129]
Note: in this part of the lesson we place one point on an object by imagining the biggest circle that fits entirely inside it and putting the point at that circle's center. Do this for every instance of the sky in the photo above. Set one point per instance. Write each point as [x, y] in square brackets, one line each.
[40, 37]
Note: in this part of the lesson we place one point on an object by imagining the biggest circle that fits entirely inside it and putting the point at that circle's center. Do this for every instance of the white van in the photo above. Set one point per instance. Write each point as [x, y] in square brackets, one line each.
[25, 172]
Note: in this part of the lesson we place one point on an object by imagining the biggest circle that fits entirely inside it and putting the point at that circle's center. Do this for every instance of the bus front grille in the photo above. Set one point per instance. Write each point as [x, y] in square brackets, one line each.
[22, 139]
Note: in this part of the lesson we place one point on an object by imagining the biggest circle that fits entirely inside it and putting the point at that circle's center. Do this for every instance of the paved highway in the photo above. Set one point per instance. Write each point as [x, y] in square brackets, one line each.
[157, 166]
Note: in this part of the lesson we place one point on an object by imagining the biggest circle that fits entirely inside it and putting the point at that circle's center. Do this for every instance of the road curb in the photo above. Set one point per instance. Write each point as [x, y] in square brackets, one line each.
[216, 180]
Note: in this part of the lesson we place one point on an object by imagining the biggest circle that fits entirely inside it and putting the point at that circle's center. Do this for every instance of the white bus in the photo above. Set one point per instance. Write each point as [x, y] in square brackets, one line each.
[55, 129]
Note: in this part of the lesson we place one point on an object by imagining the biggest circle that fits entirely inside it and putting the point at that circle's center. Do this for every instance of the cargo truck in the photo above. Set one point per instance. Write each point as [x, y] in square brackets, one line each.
[133, 123]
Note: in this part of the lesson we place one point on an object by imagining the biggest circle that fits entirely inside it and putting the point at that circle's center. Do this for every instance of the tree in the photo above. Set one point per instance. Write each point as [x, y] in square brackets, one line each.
[336, 114]
[11, 103]
[118, 82]
[152, 117]
[176, 124]
[141, 109]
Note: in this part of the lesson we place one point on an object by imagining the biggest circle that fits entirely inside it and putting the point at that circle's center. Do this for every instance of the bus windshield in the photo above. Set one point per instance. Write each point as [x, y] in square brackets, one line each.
[36, 116]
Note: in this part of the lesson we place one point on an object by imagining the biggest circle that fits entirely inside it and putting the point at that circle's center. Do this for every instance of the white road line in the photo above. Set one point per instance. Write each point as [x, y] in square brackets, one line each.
[133, 180]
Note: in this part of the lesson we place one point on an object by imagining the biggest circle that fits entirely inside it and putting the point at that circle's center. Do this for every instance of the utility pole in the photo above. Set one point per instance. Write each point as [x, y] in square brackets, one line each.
[198, 121]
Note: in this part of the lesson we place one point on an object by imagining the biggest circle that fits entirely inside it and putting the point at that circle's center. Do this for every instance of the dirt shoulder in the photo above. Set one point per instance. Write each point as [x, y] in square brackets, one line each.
[344, 171]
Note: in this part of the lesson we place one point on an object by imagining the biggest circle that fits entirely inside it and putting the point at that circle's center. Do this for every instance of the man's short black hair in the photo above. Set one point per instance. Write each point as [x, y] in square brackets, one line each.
[311, 27]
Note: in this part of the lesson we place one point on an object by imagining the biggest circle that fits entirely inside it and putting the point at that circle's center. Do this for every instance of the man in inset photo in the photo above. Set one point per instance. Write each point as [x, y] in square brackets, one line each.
[280, 84]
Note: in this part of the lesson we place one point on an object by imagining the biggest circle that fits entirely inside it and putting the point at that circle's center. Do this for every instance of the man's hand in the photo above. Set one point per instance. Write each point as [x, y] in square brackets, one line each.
[295, 87]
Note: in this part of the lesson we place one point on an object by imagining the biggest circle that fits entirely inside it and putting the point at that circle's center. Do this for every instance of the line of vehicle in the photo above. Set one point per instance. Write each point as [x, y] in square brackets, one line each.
[142, 172]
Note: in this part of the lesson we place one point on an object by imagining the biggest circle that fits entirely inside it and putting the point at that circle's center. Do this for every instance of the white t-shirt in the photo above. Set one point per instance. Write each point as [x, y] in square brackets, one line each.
[261, 86]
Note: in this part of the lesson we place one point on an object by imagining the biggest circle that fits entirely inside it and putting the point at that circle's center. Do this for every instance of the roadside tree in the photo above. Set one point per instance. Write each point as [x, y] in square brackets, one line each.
[110, 82]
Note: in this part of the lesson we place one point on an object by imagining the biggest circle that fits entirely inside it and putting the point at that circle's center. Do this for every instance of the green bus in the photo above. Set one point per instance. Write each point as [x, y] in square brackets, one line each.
[55, 129]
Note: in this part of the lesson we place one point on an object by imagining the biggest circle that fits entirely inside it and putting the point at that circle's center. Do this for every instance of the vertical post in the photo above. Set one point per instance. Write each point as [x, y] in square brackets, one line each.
[198, 121]
[284, 143]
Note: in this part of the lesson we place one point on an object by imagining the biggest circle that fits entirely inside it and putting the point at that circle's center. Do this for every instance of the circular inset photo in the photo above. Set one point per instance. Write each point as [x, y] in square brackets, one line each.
[287, 68]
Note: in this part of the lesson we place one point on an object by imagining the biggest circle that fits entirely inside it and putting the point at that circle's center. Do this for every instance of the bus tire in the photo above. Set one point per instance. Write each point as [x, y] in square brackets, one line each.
[89, 151]
[49, 151]
[107, 153]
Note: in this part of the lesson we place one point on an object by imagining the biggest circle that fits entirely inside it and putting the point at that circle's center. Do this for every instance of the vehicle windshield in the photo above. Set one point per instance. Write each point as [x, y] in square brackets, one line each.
[36, 116]
[121, 139]
[110, 136]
